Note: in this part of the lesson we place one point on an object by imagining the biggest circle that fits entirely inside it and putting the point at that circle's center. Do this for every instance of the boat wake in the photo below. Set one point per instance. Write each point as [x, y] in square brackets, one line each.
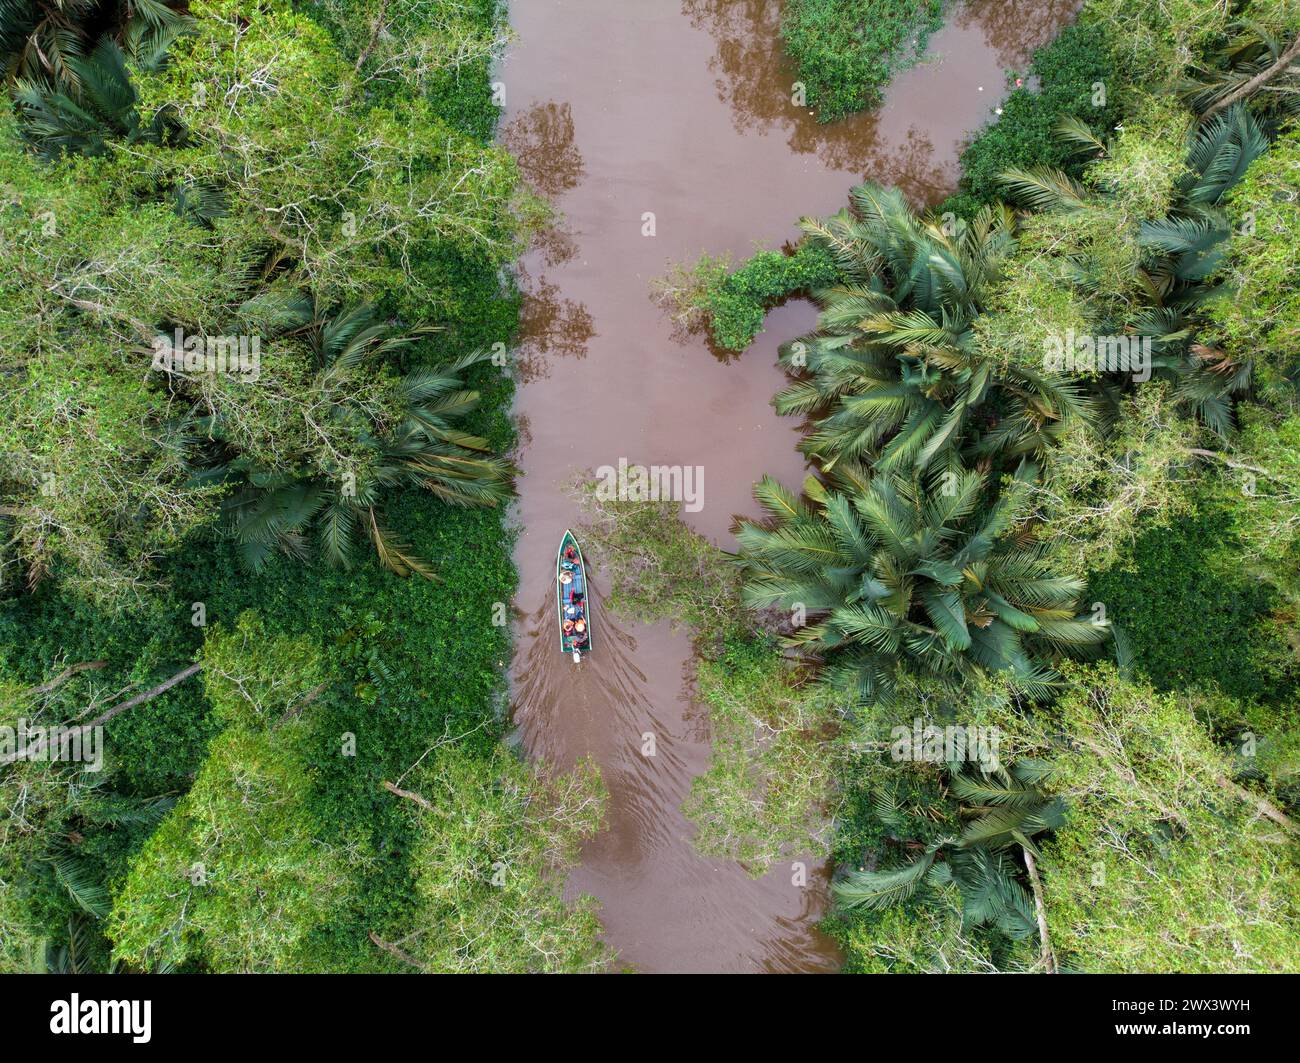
[669, 906]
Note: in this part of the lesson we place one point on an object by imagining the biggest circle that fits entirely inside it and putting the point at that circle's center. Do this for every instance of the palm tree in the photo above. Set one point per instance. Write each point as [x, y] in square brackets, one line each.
[56, 121]
[274, 509]
[1189, 248]
[892, 572]
[84, 878]
[1183, 253]
[41, 39]
[1009, 809]
[894, 373]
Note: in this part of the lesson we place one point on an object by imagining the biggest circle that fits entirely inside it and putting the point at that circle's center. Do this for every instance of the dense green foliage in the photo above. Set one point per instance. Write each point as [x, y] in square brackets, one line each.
[406, 435]
[271, 890]
[1004, 812]
[494, 839]
[240, 873]
[1067, 77]
[118, 550]
[41, 41]
[845, 51]
[1194, 617]
[1164, 863]
[770, 786]
[1263, 315]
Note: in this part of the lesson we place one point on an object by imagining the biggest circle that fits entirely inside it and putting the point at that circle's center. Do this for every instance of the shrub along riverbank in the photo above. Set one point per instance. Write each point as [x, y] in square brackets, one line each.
[341, 157]
[995, 514]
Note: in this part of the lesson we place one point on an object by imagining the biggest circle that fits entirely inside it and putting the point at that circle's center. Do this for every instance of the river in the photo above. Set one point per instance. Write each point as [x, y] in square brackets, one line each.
[682, 109]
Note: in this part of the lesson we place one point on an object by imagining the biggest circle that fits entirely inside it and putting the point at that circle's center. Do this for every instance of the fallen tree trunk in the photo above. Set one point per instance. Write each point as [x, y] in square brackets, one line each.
[1040, 911]
[394, 950]
[1258, 81]
[1265, 807]
[140, 699]
[121, 707]
[64, 676]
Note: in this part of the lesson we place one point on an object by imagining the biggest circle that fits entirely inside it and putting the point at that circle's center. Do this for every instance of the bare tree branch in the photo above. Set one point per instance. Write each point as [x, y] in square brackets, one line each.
[1040, 910]
[65, 675]
[1265, 807]
[379, 26]
[393, 950]
[410, 795]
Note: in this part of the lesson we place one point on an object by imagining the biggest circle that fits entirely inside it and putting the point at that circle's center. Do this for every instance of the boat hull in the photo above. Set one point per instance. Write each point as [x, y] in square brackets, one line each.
[565, 606]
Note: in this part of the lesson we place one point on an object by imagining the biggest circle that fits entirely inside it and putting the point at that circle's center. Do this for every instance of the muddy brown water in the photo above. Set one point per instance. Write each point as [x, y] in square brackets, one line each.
[682, 108]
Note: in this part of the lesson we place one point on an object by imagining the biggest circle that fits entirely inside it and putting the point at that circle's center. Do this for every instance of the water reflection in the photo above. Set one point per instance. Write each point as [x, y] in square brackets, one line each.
[550, 324]
[897, 142]
[1014, 30]
[542, 140]
[555, 245]
[755, 79]
[753, 76]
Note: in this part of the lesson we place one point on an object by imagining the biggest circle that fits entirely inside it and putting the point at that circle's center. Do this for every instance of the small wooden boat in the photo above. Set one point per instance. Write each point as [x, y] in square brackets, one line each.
[571, 602]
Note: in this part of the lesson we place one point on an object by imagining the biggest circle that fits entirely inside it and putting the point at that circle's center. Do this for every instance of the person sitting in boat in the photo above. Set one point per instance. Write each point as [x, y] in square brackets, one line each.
[579, 640]
[568, 627]
[566, 578]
